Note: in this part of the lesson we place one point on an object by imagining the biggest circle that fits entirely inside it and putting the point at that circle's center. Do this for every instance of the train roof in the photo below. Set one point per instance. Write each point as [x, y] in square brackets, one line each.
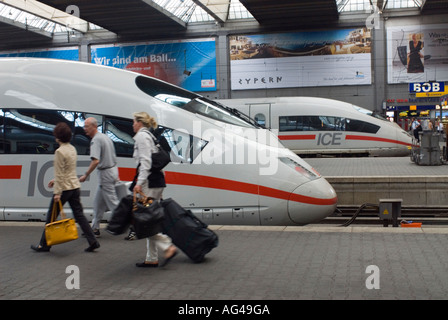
[82, 86]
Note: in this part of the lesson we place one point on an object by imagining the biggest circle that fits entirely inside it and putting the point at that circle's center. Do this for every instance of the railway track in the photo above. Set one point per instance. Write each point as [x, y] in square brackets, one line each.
[369, 215]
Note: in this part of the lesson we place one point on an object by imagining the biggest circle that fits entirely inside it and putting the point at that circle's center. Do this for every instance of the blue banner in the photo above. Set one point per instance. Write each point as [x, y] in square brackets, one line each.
[71, 53]
[187, 64]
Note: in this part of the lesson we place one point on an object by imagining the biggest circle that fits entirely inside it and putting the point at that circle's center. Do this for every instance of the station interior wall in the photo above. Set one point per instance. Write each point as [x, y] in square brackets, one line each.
[372, 97]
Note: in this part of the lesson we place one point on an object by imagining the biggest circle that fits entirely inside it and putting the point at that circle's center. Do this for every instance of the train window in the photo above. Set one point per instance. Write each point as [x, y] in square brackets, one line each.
[332, 123]
[361, 126]
[260, 119]
[300, 123]
[324, 123]
[2, 131]
[192, 102]
[121, 132]
[184, 147]
[80, 140]
[30, 131]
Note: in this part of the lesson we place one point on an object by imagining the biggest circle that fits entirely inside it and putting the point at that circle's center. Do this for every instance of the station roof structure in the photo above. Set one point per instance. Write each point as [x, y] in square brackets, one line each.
[32, 23]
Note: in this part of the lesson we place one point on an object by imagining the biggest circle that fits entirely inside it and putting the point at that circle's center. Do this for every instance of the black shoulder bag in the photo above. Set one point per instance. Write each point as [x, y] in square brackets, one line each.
[161, 158]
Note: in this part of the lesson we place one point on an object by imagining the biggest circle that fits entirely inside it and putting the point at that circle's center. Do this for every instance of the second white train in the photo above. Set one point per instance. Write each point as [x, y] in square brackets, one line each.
[311, 125]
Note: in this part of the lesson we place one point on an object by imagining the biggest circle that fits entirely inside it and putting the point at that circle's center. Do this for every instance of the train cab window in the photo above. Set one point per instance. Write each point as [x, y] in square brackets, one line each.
[121, 133]
[192, 102]
[164, 91]
[31, 131]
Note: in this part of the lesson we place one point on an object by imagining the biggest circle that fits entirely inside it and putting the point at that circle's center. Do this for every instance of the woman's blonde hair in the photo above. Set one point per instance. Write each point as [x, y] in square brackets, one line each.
[146, 119]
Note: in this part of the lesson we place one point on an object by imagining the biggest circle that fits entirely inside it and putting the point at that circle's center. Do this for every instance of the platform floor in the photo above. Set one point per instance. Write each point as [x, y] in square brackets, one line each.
[374, 166]
[250, 263]
[366, 180]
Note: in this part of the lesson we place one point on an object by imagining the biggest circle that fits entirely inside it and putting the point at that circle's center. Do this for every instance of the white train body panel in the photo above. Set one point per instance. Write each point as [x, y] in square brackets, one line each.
[379, 137]
[224, 172]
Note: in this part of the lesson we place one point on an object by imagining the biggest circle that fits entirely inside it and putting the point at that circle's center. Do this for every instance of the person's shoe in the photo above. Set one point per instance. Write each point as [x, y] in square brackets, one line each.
[39, 248]
[170, 253]
[147, 264]
[96, 232]
[92, 247]
[131, 236]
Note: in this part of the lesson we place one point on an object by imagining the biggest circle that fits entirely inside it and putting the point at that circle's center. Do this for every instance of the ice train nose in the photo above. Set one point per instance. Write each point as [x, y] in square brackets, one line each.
[312, 202]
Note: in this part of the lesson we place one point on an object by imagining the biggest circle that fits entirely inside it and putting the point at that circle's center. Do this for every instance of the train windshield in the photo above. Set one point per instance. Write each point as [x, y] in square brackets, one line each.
[192, 102]
[368, 112]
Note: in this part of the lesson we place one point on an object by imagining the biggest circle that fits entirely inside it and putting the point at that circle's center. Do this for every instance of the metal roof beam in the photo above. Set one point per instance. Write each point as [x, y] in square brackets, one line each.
[165, 12]
[218, 9]
[42, 10]
[26, 27]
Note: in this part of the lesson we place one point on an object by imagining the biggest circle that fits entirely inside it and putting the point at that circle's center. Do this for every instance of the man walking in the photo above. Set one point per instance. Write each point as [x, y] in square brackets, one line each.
[102, 154]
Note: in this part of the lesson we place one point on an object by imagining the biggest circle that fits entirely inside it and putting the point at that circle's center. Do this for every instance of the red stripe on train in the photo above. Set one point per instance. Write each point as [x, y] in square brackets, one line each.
[195, 180]
[10, 172]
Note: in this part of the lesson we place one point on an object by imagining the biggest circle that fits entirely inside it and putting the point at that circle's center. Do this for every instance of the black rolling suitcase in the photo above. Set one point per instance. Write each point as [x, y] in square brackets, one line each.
[121, 217]
[187, 232]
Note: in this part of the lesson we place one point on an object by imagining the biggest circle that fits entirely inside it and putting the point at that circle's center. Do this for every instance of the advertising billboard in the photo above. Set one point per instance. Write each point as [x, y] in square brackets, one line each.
[417, 53]
[301, 59]
[190, 64]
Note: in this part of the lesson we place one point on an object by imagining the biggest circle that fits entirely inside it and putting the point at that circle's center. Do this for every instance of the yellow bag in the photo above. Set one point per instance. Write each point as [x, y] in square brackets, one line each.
[60, 231]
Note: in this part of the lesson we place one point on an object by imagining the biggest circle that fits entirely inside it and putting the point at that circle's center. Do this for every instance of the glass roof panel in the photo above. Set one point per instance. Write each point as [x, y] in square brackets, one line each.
[186, 10]
[16, 15]
[364, 5]
[398, 4]
[238, 11]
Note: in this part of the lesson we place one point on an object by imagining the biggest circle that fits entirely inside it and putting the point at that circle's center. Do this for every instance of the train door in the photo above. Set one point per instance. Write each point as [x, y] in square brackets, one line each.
[261, 112]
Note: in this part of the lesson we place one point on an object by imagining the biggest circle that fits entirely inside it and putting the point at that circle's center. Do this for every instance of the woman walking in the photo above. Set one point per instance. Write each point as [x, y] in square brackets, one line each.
[151, 183]
[66, 187]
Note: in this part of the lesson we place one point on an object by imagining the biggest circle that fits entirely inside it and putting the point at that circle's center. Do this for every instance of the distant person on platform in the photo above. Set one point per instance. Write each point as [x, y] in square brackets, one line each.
[416, 128]
[439, 126]
[102, 154]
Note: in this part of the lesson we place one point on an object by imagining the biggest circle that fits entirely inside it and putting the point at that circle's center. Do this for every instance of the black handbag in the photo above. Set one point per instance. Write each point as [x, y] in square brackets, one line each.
[161, 158]
[147, 216]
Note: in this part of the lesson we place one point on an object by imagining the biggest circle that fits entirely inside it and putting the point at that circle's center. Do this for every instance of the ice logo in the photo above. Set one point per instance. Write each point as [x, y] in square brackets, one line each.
[373, 21]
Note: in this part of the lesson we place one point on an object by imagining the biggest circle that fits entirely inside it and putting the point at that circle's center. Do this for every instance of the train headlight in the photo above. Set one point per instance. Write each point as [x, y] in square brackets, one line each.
[310, 174]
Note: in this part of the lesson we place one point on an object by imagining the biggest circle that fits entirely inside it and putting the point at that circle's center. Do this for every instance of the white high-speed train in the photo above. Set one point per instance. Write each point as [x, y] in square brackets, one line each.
[309, 125]
[225, 168]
